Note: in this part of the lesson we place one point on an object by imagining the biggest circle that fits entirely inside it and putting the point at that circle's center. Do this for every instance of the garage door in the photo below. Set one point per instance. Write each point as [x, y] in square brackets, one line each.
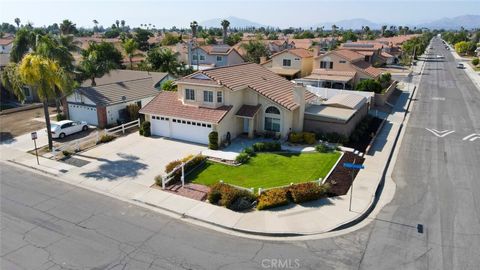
[180, 129]
[83, 113]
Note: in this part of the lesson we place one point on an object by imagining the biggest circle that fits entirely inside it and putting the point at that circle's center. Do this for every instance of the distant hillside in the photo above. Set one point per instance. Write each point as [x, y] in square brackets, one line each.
[354, 24]
[234, 22]
[467, 21]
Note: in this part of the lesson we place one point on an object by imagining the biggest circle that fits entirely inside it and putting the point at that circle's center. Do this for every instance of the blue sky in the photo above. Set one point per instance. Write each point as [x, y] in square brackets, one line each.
[281, 13]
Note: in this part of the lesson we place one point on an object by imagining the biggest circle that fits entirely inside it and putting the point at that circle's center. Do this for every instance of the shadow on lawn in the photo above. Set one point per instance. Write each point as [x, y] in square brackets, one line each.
[127, 166]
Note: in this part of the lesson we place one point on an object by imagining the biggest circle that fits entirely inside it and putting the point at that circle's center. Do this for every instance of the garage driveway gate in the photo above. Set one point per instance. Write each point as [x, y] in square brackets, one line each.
[181, 129]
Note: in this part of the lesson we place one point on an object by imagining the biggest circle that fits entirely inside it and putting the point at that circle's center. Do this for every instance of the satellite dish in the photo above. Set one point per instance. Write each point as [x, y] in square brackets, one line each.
[124, 98]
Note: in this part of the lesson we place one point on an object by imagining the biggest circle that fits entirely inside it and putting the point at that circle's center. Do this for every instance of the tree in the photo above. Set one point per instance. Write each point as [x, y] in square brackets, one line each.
[272, 36]
[194, 26]
[141, 37]
[254, 50]
[117, 23]
[461, 47]
[98, 60]
[211, 40]
[225, 24]
[349, 36]
[122, 23]
[334, 30]
[67, 27]
[163, 60]
[130, 46]
[170, 39]
[43, 75]
[475, 61]
[384, 27]
[234, 39]
[169, 85]
[369, 85]
[17, 22]
[23, 42]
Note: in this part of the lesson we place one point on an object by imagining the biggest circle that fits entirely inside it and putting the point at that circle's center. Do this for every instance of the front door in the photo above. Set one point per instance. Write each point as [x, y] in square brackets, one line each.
[245, 125]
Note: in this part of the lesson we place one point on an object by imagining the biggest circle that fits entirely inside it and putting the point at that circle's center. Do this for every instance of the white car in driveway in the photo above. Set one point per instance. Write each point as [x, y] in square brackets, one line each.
[67, 127]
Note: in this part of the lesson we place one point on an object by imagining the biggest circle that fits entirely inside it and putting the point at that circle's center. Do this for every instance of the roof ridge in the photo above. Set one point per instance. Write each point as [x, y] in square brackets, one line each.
[137, 79]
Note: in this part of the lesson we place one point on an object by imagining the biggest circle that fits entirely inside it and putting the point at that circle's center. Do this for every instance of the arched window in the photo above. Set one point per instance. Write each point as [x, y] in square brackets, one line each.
[272, 110]
[272, 119]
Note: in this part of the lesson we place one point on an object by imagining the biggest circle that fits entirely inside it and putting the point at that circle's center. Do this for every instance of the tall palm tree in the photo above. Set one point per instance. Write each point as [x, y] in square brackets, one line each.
[96, 25]
[117, 23]
[42, 74]
[225, 24]
[17, 22]
[23, 42]
[122, 23]
[334, 29]
[400, 30]
[194, 27]
[384, 27]
[67, 27]
[130, 46]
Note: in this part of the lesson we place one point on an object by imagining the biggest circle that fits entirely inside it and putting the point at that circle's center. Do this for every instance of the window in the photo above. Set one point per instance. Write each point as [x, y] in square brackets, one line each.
[272, 124]
[194, 57]
[219, 58]
[326, 64]
[367, 58]
[287, 62]
[189, 123]
[183, 121]
[202, 57]
[342, 61]
[209, 126]
[208, 96]
[331, 65]
[272, 110]
[189, 94]
[174, 120]
[219, 97]
[297, 59]
[203, 125]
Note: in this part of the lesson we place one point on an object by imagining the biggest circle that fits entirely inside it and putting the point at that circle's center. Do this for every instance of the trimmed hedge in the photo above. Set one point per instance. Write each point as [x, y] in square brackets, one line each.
[310, 191]
[60, 117]
[267, 146]
[145, 129]
[322, 148]
[242, 158]
[106, 138]
[273, 198]
[228, 196]
[213, 140]
[302, 137]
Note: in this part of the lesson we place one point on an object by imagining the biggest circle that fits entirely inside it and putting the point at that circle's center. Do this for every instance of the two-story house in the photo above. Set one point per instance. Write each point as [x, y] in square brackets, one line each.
[340, 69]
[241, 99]
[291, 63]
[210, 56]
[371, 51]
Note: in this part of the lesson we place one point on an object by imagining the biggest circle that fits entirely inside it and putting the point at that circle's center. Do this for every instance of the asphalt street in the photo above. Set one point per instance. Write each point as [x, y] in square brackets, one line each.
[47, 224]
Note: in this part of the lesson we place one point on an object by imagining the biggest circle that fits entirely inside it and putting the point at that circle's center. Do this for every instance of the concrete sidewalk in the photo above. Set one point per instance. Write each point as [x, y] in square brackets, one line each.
[471, 73]
[310, 218]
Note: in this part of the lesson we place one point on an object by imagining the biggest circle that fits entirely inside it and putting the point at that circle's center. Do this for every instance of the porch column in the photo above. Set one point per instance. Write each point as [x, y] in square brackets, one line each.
[250, 128]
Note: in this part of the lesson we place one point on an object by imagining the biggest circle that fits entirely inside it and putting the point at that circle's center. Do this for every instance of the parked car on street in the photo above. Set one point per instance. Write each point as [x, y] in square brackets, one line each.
[460, 65]
[67, 127]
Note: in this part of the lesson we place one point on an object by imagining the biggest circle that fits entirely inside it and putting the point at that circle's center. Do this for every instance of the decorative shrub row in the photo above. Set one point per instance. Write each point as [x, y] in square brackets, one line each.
[106, 138]
[308, 192]
[267, 146]
[322, 148]
[242, 158]
[302, 137]
[273, 198]
[361, 128]
[332, 137]
[231, 197]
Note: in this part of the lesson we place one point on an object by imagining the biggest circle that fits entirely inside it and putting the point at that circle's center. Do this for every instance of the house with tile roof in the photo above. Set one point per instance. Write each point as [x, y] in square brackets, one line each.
[106, 102]
[290, 63]
[340, 69]
[209, 56]
[6, 45]
[233, 100]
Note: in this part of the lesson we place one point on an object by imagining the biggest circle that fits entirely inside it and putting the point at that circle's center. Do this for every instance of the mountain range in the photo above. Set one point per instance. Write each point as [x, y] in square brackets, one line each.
[467, 21]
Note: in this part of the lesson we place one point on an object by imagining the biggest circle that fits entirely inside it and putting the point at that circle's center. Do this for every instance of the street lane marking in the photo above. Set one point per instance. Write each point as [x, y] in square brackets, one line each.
[472, 137]
[438, 98]
[440, 134]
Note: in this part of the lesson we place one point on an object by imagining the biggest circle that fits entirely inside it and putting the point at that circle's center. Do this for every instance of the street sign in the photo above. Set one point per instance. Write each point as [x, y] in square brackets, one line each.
[34, 135]
[353, 166]
[34, 139]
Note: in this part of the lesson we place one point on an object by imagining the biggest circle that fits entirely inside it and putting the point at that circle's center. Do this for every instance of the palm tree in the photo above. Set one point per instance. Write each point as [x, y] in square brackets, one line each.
[117, 23]
[17, 22]
[163, 60]
[225, 24]
[334, 29]
[42, 74]
[122, 22]
[130, 46]
[194, 26]
[96, 25]
[400, 30]
[384, 27]
[23, 42]
[67, 27]
[406, 29]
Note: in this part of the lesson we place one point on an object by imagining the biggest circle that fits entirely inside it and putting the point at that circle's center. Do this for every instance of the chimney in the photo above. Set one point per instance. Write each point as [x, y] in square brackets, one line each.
[263, 59]
[299, 98]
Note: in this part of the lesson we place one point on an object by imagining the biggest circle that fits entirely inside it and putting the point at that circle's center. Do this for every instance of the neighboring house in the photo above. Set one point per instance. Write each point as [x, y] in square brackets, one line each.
[340, 69]
[105, 104]
[210, 56]
[341, 114]
[291, 63]
[6, 45]
[241, 99]
[370, 50]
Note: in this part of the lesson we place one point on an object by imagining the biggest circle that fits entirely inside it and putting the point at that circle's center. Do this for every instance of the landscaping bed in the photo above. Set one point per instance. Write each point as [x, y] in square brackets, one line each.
[265, 170]
[341, 178]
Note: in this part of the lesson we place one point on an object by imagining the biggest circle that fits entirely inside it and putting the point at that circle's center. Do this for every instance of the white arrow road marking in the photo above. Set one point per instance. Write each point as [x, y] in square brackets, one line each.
[440, 134]
[472, 137]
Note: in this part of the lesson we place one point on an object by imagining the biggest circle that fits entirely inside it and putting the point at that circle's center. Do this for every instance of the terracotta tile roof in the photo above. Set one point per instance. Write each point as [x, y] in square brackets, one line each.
[197, 81]
[255, 77]
[333, 72]
[5, 41]
[303, 53]
[248, 110]
[364, 45]
[122, 75]
[347, 55]
[367, 68]
[168, 104]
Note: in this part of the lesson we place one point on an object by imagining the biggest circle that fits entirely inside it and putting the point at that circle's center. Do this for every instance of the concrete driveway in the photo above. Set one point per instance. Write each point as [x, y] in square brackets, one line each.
[131, 158]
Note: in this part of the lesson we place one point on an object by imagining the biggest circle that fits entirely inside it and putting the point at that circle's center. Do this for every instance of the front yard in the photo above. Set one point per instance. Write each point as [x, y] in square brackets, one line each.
[267, 170]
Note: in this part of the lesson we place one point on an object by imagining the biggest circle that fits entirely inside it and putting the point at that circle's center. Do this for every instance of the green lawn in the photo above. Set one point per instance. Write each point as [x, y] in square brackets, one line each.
[268, 170]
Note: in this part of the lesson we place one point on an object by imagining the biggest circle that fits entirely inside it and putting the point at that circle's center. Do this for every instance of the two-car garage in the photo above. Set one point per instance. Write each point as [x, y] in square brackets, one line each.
[180, 129]
[80, 112]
